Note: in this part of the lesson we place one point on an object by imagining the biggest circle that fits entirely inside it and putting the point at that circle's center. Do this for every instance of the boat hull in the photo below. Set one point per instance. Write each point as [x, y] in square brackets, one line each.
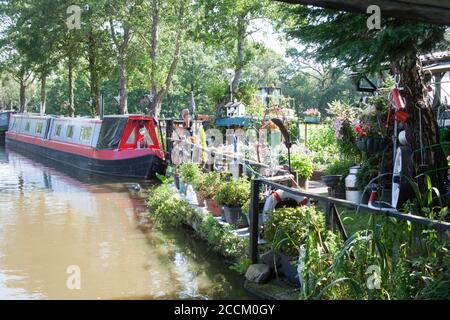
[141, 167]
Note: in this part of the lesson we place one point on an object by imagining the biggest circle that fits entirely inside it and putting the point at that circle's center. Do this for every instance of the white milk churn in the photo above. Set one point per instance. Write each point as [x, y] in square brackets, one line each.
[351, 188]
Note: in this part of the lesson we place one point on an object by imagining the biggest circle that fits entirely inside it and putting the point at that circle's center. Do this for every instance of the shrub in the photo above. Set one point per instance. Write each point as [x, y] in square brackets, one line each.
[166, 209]
[234, 193]
[369, 170]
[288, 228]
[189, 172]
[208, 184]
[323, 145]
[302, 164]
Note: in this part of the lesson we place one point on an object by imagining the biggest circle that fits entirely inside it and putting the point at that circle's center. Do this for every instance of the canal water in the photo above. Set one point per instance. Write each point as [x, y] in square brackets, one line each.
[64, 235]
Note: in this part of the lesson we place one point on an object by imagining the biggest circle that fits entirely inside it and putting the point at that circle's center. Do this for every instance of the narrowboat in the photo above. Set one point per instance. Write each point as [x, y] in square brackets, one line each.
[4, 124]
[121, 146]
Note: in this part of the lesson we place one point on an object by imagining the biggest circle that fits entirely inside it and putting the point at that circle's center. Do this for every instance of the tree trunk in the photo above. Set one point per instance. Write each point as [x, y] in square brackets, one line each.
[71, 90]
[154, 46]
[155, 106]
[123, 103]
[240, 58]
[22, 96]
[422, 130]
[43, 94]
[93, 75]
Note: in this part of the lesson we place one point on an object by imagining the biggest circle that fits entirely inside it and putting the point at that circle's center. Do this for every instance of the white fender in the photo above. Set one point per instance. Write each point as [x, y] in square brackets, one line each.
[278, 196]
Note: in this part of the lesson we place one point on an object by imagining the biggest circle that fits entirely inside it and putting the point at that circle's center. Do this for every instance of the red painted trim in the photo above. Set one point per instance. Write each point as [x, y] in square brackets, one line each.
[85, 151]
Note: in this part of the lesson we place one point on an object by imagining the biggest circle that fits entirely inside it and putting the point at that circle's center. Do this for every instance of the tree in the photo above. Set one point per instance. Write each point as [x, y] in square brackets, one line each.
[124, 18]
[229, 23]
[342, 37]
[164, 48]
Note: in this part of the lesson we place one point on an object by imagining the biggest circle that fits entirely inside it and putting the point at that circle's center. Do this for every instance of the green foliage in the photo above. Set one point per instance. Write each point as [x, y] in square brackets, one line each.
[288, 228]
[208, 184]
[189, 172]
[234, 193]
[369, 170]
[166, 210]
[241, 266]
[302, 164]
[344, 37]
[322, 142]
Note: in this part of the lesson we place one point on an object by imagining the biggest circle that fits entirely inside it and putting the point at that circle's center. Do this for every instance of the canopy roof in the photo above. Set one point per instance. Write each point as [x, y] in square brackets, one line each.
[432, 11]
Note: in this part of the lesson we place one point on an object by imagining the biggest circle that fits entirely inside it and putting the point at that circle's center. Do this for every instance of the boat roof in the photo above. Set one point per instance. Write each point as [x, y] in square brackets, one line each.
[127, 116]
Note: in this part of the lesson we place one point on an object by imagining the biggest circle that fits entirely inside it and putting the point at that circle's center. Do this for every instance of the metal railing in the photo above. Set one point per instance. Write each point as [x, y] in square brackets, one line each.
[332, 217]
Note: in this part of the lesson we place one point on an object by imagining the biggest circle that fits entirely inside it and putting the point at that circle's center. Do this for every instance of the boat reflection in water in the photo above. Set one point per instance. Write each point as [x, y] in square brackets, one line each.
[51, 220]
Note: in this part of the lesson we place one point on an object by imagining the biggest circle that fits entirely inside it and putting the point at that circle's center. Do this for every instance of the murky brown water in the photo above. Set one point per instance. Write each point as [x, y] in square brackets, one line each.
[50, 220]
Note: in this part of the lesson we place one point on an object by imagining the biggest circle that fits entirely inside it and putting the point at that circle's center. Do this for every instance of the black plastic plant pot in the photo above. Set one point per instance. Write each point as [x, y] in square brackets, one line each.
[372, 145]
[331, 181]
[289, 267]
[232, 214]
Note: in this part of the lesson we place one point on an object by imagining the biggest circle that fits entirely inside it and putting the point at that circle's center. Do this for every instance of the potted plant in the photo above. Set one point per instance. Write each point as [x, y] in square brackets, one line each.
[233, 195]
[312, 115]
[287, 230]
[370, 139]
[302, 165]
[207, 189]
[188, 173]
[335, 174]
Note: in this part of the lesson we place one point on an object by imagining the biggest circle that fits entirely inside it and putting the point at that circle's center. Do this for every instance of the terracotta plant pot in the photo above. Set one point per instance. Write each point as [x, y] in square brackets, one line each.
[213, 207]
[200, 199]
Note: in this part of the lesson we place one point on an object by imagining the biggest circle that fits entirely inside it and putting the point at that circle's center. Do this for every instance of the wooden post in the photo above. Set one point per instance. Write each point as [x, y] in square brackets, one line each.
[254, 223]
[169, 142]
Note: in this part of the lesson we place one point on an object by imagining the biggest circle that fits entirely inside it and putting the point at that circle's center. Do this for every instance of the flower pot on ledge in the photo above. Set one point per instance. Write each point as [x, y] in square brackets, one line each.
[312, 119]
[213, 207]
[232, 214]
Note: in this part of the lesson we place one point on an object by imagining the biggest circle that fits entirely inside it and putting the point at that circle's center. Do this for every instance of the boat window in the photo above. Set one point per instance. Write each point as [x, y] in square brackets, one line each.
[69, 132]
[27, 126]
[131, 138]
[39, 127]
[13, 124]
[85, 134]
[58, 130]
[148, 140]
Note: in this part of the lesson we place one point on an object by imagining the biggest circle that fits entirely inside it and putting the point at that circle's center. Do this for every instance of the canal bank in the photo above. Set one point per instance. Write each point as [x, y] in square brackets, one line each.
[52, 219]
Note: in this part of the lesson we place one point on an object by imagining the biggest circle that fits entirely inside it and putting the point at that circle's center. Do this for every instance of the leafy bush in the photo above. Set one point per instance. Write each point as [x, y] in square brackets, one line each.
[302, 164]
[189, 172]
[323, 145]
[208, 184]
[288, 228]
[369, 170]
[234, 193]
[166, 209]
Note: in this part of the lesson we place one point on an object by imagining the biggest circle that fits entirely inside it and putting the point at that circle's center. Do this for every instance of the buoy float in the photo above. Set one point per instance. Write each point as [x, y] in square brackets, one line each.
[279, 196]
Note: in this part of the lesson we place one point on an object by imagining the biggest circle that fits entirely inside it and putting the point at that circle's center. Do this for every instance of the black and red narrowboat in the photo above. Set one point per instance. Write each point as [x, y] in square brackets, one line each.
[122, 146]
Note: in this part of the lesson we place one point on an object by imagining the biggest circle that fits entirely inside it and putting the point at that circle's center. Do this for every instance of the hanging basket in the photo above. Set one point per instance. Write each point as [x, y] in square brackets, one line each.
[372, 145]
